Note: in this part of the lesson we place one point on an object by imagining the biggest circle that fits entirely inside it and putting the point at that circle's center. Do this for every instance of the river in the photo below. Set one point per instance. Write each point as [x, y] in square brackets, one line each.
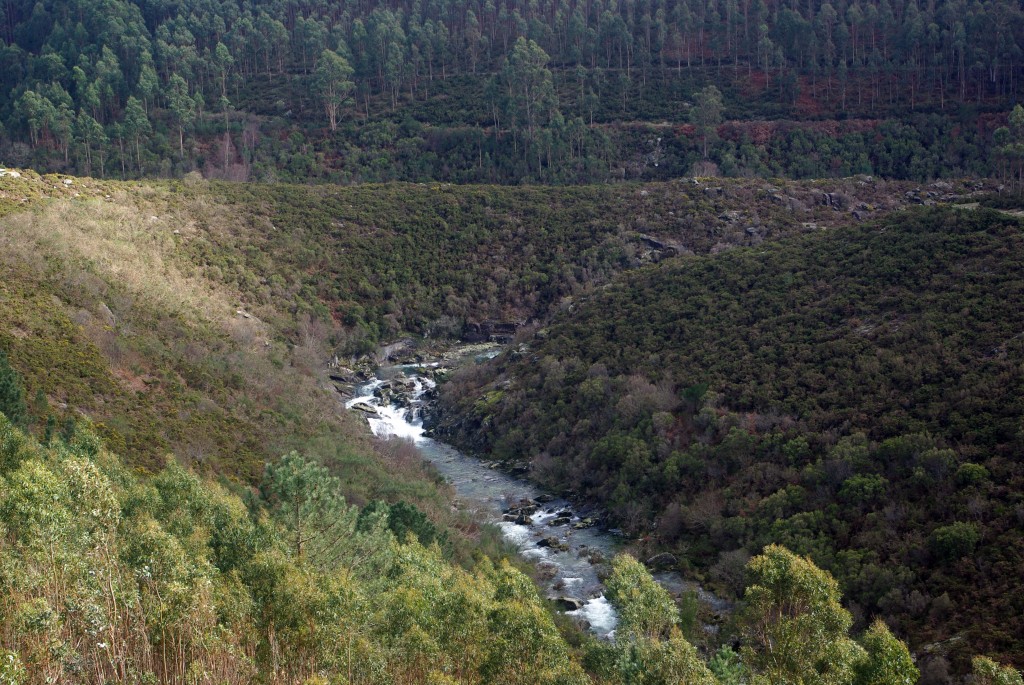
[567, 551]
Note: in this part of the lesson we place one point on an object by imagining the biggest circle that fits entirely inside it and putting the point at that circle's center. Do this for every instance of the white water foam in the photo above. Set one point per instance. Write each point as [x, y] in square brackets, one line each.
[601, 615]
[520, 536]
[392, 423]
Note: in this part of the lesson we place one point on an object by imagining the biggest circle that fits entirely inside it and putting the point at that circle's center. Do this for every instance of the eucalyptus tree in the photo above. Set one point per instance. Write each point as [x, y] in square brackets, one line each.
[706, 114]
[649, 647]
[794, 627]
[988, 672]
[332, 82]
[136, 126]
[532, 100]
[182, 107]
[91, 140]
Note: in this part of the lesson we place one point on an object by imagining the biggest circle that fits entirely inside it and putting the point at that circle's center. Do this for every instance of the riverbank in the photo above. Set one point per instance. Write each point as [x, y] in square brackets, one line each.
[568, 544]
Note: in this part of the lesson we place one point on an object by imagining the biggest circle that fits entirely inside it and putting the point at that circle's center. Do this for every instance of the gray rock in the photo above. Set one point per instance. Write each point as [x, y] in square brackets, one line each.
[107, 315]
[568, 603]
[365, 408]
[665, 560]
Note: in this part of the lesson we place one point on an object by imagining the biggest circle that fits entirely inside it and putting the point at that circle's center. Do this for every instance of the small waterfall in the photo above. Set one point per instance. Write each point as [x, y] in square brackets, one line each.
[565, 547]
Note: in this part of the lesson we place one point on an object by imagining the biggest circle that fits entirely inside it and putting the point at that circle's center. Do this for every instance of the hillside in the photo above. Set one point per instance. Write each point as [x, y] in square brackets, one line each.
[853, 393]
[105, 318]
[197, 319]
[188, 327]
[182, 500]
[171, 578]
[507, 92]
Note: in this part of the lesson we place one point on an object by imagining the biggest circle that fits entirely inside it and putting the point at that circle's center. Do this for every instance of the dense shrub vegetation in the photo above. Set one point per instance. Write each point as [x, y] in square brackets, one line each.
[173, 579]
[170, 578]
[102, 315]
[198, 318]
[426, 259]
[186, 326]
[790, 384]
[853, 394]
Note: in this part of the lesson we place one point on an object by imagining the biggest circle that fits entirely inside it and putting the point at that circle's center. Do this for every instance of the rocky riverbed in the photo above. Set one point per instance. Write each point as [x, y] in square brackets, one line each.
[569, 546]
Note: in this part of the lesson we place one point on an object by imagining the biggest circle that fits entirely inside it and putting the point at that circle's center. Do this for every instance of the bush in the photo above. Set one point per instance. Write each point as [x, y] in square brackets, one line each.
[12, 393]
[971, 474]
[954, 541]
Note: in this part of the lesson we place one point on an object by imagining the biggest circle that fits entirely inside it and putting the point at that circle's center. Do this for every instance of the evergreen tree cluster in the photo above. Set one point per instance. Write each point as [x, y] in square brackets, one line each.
[504, 91]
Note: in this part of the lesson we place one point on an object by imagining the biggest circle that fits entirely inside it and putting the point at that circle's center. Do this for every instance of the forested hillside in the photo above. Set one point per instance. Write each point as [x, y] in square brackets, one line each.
[510, 91]
[854, 394]
[108, 576]
[761, 264]
[153, 532]
[198, 318]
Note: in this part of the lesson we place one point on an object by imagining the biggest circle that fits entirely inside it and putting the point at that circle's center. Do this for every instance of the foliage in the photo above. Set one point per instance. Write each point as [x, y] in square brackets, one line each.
[108, 576]
[427, 92]
[12, 393]
[955, 540]
[649, 647]
[988, 672]
[887, 662]
[645, 608]
[306, 499]
[403, 520]
[828, 424]
[795, 628]
[331, 80]
[727, 666]
[706, 114]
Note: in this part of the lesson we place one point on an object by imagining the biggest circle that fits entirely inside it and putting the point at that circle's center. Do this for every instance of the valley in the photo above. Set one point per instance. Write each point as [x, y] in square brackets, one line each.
[491, 342]
[214, 327]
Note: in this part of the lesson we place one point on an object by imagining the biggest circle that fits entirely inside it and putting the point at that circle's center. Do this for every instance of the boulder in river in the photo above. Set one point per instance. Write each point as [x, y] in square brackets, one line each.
[524, 520]
[523, 506]
[560, 521]
[554, 543]
[543, 499]
[365, 408]
[662, 561]
[568, 603]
